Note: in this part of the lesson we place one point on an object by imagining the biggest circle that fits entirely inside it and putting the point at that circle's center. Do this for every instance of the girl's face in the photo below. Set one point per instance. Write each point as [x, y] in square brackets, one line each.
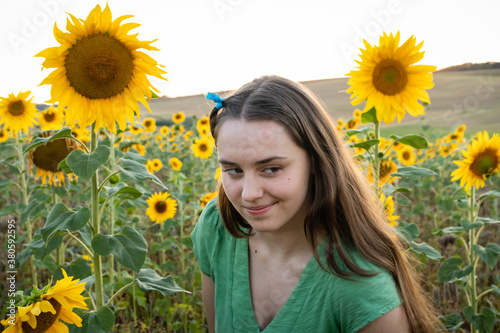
[265, 174]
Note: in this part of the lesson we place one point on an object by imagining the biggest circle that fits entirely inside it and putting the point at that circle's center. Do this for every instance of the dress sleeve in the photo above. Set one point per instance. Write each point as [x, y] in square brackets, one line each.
[206, 237]
[367, 300]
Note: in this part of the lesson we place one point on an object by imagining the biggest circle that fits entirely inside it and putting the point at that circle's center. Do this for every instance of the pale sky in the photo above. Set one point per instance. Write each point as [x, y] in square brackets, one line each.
[213, 45]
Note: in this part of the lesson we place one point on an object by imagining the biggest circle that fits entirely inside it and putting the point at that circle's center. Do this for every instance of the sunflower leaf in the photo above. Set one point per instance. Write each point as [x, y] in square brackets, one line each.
[365, 144]
[489, 254]
[413, 140]
[364, 130]
[410, 171]
[468, 226]
[148, 280]
[423, 248]
[489, 194]
[64, 132]
[138, 171]
[450, 271]
[98, 321]
[408, 231]
[128, 246]
[370, 116]
[62, 218]
[483, 322]
[85, 165]
[124, 190]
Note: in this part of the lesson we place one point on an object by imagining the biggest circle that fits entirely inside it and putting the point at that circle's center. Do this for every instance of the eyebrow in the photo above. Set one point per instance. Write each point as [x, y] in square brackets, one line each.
[263, 161]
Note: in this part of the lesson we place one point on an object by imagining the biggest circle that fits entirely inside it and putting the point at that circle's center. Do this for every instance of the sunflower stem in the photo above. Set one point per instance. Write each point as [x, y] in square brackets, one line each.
[81, 243]
[376, 160]
[94, 197]
[111, 227]
[472, 238]
[110, 301]
[25, 196]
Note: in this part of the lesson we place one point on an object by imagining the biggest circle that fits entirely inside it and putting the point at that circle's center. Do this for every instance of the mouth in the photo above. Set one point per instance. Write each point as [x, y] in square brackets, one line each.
[259, 210]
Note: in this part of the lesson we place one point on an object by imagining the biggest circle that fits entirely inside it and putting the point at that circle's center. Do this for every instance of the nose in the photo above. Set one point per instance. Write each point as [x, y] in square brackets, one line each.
[252, 189]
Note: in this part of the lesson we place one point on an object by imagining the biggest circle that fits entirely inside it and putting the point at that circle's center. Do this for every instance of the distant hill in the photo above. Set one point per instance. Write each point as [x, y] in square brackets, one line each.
[471, 66]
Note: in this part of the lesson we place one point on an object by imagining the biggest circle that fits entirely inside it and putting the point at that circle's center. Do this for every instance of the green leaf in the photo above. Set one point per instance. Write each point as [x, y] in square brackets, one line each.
[366, 145]
[100, 321]
[426, 249]
[128, 246]
[452, 322]
[63, 166]
[486, 220]
[369, 117]
[8, 210]
[32, 210]
[62, 218]
[451, 272]
[390, 189]
[408, 231]
[153, 94]
[489, 194]
[483, 322]
[137, 171]
[452, 230]
[489, 254]
[468, 226]
[64, 132]
[413, 140]
[410, 171]
[148, 280]
[364, 130]
[85, 165]
[135, 157]
[124, 190]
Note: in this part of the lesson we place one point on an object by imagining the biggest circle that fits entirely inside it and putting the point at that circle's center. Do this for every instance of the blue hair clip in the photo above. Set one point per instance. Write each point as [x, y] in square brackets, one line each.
[216, 99]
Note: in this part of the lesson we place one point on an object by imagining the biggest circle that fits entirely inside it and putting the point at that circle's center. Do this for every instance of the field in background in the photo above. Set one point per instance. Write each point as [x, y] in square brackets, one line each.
[470, 97]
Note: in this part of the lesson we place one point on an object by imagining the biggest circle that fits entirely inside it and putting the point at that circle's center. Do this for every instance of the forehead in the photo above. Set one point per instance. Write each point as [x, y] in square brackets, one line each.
[253, 139]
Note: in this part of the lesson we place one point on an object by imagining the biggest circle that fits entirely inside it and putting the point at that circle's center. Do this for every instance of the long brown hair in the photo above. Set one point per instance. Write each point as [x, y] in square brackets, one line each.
[344, 205]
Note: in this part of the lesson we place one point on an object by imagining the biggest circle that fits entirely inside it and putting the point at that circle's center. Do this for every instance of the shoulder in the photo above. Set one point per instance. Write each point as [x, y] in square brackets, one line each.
[207, 236]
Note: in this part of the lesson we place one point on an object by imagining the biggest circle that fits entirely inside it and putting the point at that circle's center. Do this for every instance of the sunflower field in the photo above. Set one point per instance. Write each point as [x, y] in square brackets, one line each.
[98, 204]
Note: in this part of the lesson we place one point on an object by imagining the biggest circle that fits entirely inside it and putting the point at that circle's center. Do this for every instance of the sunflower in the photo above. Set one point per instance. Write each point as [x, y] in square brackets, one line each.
[178, 117]
[100, 74]
[157, 164]
[174, 148]
[43, 310]
[150, 166]
[164, 130]
[47, 157]
[386, 168]
[18, 112]
[482, 160]
[388, 79]
[175, 163]
[203, 122]
[149, 124]
[203, 147]
[461, 128]
[81, 133]
[406, 155]
[161, 207]
[206, 198]
[389, 209]
[446, 150]
[217, 174]
[4, 135]
[135, 130]
[188, 135]
[51, 119]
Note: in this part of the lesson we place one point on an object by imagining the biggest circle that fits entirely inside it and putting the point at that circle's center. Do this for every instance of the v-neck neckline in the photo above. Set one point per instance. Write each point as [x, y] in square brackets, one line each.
[299, 292]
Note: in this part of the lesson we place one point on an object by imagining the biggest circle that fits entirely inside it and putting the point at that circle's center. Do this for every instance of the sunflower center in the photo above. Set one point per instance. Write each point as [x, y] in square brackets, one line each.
[99, 66]
[385, 169]
[203, 147]
[406, 155]
[485, 163]
[161, 207]
[16, 108]
[48, 156]
[147, 123]
[390, 77]
[44, 320]
[49, 116]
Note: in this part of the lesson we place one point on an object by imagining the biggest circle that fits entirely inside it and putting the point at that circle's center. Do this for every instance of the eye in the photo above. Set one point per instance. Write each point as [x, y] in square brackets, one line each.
[271, 170]
[232, 171]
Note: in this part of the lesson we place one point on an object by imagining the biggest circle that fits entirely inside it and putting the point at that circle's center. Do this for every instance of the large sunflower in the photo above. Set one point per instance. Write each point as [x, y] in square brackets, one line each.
[482, 160]
[47, 157]
[203, 147]
[388, 79]
[99, 73]
[42, 310]
[18, 112]
[161, 207]
[51, 119]
[386, 168]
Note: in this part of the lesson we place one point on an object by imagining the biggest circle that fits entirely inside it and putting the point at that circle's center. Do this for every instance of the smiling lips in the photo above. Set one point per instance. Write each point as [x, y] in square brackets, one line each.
[259, 210]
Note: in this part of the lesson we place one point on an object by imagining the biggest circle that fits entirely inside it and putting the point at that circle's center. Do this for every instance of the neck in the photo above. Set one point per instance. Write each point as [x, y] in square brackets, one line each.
[281, 244]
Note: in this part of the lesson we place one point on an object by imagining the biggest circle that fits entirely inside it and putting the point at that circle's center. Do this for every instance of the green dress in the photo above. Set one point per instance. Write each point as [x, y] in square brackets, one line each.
[320, 302]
